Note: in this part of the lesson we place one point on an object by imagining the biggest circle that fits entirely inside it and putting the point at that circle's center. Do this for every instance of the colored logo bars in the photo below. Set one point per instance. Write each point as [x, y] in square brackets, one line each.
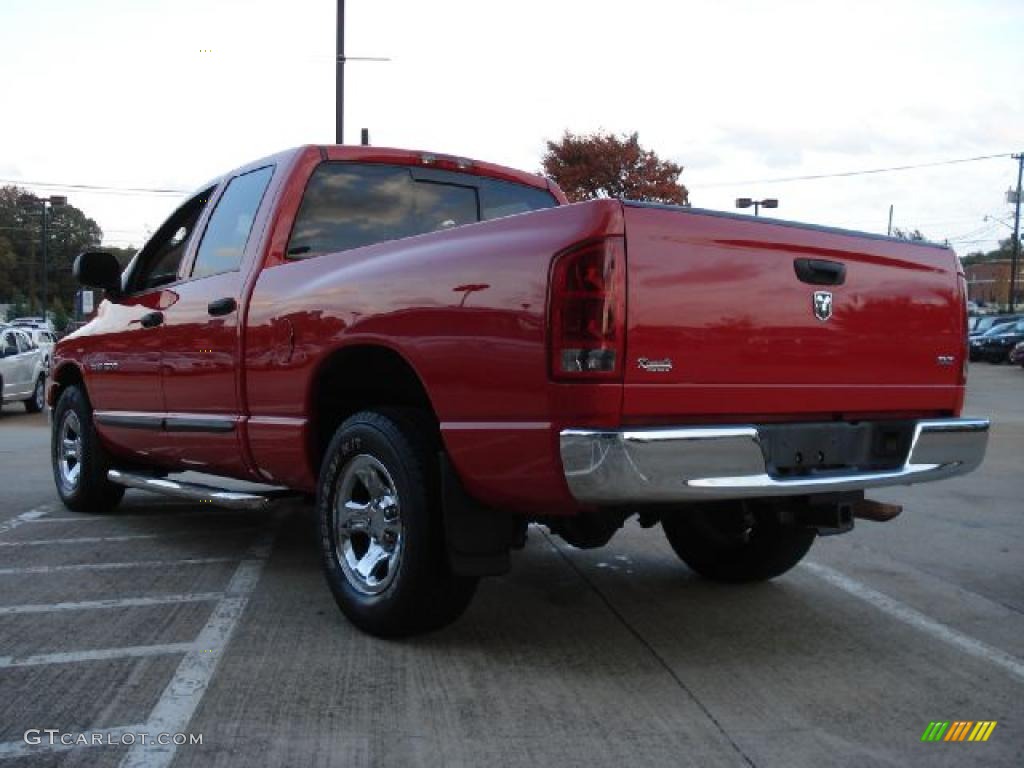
[958, 730]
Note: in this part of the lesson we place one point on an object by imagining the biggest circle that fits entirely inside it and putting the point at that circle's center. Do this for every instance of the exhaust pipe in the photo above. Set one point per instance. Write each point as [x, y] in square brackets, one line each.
[879, 511]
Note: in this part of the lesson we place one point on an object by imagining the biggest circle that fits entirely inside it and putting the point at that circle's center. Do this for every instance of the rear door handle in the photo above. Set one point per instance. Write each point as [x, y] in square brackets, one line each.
[152, 320]
[820, 271]
[224, 306]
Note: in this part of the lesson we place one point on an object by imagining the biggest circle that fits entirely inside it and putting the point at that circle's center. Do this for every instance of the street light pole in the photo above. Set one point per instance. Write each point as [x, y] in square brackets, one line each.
[746, 202]
[45, 286]
[46, 203]
[1015, 259]
[339, 104]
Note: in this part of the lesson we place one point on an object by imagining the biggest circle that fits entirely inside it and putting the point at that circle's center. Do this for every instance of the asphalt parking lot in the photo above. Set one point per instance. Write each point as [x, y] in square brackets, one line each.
[166, 617]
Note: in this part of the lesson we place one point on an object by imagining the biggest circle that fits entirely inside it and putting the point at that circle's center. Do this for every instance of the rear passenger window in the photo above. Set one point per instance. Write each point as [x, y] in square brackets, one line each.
[442, 206]
[505, 198]
[348, 205]
[230, 223]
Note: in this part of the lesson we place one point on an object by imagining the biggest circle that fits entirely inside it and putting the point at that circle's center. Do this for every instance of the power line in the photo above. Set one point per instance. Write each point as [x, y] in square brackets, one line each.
[809, 177]
[98, 188]
[843, 174]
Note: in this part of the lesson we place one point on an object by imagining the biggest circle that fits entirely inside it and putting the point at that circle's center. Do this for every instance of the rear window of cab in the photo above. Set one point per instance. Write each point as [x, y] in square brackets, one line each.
[349, 205]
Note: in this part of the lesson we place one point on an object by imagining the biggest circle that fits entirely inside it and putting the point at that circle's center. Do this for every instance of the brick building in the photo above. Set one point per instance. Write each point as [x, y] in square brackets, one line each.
[988, 282]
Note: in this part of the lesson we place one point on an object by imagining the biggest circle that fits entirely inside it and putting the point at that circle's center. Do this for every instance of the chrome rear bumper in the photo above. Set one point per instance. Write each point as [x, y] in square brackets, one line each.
[665, 464]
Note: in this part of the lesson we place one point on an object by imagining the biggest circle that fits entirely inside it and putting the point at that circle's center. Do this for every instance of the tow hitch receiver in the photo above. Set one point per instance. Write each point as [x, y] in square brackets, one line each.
[830, 517]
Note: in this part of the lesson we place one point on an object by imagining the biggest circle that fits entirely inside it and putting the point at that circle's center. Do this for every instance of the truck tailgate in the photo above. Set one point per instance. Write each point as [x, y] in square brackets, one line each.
[719, 322]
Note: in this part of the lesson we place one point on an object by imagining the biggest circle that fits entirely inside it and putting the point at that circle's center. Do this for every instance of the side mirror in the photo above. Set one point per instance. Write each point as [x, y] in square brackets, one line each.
[98, 269]
[8, 350]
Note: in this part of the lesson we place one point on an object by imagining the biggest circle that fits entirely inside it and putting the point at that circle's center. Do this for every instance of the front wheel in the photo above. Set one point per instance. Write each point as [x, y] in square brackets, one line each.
[80, 462]
[381, 530]
[736, 541]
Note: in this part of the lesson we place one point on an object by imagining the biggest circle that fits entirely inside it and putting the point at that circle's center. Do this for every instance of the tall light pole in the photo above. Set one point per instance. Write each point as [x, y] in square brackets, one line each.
[339, 76]
[1015, 258]
[746, 202]
[46, 203]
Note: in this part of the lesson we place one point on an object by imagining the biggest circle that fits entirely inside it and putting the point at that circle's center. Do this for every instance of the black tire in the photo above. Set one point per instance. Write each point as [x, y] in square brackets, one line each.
[735, 542]
[37, 402]
[416, 590]
[89, 491]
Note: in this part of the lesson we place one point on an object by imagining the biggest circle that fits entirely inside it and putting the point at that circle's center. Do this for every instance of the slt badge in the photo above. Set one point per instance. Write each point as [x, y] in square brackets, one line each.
[823, 305]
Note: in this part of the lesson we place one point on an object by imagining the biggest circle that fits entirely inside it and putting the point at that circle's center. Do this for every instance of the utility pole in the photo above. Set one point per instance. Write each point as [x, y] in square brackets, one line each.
[339, 74]
[889, 231]
[1015, 260]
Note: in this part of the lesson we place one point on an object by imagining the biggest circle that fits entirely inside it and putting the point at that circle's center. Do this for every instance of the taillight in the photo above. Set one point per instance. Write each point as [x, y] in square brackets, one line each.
[588, 311]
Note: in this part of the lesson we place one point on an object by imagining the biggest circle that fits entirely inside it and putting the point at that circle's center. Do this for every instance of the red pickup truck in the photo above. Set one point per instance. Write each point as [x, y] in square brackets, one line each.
[443, 350]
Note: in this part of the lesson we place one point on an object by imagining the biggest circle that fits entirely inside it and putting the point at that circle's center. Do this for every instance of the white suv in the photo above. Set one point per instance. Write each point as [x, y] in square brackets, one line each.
[22, 370]
[43, 339]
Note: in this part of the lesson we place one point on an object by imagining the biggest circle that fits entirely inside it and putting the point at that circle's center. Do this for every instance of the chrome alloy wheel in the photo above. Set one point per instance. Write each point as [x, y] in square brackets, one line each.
[367, 525]
[69, 458]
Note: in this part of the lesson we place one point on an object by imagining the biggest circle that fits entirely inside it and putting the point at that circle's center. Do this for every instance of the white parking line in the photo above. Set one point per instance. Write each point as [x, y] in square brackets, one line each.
[115, 566]
[918, 620]
[79, 519]
[197, 512]
[26, 517]
[181, 697]
[101, 539]
[100, 654]
[123, 602]
[10, 749]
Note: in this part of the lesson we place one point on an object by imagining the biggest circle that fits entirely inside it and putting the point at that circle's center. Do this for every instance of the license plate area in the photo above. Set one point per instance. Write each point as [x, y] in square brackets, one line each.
[801, 449]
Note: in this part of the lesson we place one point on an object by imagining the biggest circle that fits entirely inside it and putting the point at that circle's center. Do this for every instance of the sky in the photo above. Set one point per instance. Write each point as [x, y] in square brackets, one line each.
[165, 94]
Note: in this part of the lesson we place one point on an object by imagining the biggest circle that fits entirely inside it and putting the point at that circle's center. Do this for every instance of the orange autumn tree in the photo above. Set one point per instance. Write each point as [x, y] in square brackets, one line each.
[595, 165]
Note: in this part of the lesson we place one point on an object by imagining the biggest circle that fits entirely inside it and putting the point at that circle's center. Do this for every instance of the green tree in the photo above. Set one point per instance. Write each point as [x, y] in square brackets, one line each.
[70, 231]
[9, 287]
[1004, 251]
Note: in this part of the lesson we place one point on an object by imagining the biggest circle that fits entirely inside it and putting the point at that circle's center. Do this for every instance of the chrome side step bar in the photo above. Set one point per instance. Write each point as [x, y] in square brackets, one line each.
[194, 491]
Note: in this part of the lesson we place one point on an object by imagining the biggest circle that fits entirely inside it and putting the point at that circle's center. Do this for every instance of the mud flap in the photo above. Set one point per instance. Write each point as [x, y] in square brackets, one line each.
[477, 537]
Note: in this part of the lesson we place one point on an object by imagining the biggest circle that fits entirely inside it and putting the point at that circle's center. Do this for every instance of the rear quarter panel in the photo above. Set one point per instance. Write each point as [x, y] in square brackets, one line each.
[467, 309]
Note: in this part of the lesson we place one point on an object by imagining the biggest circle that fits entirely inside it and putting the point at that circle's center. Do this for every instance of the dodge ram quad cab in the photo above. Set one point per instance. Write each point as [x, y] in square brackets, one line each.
[444, 350]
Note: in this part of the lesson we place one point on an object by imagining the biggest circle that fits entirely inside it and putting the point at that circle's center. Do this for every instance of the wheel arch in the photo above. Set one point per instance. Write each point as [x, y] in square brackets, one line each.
[386, 378]
[67, 374]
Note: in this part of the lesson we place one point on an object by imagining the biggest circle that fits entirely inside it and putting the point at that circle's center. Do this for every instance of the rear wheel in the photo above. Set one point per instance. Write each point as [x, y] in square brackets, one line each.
[37, 402]
[736, 541]
[80, 462]
[381, 531]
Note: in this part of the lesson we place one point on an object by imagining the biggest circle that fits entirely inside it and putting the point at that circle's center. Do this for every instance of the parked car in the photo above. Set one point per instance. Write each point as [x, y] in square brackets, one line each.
[22, 370]
[987, 323]
[31, 322]
[45, 340]
[1017, 354]
[443, 350]
[995, 346]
